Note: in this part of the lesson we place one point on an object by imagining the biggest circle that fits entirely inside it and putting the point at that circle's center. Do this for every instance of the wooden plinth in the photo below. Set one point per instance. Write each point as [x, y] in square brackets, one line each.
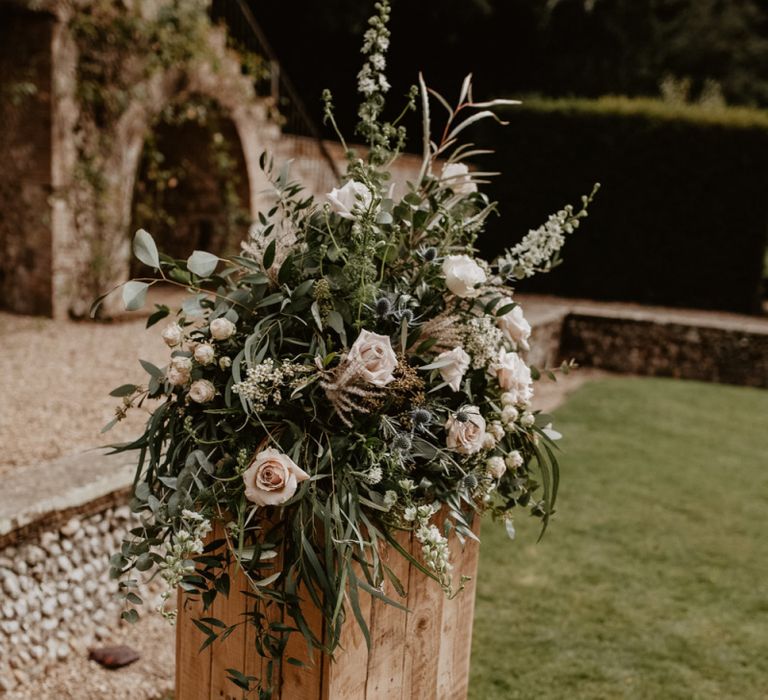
[419, 655]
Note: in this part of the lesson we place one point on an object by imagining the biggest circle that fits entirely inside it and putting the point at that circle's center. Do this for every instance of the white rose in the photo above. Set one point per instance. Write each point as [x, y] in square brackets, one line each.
[204, 354]
[497, 430]
[176, 376]
[509, 414]
[182, 363]
[457, 177]
[496, 467]
[514, 325]
[466, 431]
[462, 274]
[222, 328]
[514, 376]
[272, 478]
[454, 371]
[353, 196]
[172, 335]
[375, 357]
[528, 420]
[202, 391]
[225, 362]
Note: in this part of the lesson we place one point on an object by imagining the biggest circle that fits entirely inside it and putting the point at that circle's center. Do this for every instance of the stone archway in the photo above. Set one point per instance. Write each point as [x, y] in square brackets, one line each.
[77, 218]
[192, 190]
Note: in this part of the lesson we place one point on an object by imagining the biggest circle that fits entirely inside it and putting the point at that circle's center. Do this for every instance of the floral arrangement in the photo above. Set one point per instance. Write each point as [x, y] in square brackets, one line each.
[356, 371]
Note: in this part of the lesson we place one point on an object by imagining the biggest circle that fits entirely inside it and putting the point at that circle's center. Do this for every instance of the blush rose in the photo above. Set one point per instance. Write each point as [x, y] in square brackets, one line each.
[272, 478]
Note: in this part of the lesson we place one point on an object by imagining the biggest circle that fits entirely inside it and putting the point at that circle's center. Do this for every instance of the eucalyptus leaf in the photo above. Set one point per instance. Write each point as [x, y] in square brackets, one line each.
[203, 264]
[144, 249]
[134, 295]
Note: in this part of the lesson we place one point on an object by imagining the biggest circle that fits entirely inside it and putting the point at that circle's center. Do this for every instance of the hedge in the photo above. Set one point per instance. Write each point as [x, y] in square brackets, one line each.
[681, 219]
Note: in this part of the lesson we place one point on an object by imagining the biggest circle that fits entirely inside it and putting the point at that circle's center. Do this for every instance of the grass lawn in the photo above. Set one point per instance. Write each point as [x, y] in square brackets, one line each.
[652, 581]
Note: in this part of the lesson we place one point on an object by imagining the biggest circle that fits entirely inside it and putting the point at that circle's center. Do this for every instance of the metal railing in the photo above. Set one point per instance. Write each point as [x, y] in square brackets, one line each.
[302, 140]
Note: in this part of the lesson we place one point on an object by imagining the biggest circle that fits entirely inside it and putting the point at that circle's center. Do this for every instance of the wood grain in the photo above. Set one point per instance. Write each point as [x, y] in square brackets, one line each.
[456, 638]
[347, 674]
[420, 655]
[193, 667]
[388, 629]
[423, 633]
[303, 683]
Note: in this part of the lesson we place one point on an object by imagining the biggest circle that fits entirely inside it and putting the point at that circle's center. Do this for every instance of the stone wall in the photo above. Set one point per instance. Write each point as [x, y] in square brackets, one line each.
[25, 176]
[63, 244]
[724, 352]
[57, 598]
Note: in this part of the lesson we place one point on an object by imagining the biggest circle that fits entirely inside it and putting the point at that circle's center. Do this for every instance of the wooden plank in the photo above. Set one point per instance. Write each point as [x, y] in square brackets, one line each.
[229, 653]
[303, 683]
[345, 677]
[423, 633]
[422, 655]
[193, 667]
[456, 639]
[388, 630]
[255, 664]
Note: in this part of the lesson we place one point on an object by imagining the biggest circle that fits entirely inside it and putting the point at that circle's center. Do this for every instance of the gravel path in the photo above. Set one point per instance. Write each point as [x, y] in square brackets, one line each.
[150, 678]
[57, 376]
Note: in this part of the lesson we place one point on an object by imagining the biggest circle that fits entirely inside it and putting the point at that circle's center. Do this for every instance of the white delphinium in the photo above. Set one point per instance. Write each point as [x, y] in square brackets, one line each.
[514, 459]
[390, 498]
[434, 549]
[539, 247]
[187, 542]
[409, 514]
[371, 78]
[539, 250]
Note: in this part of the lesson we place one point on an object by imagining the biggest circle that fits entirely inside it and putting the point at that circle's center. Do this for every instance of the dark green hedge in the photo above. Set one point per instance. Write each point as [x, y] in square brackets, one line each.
[682, 217]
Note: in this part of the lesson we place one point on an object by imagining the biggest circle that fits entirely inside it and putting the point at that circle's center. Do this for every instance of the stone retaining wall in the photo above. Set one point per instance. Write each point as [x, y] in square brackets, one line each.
[57, 597]
[712, 353]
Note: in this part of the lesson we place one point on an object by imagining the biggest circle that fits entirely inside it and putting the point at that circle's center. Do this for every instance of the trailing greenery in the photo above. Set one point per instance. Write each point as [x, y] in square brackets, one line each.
[653, 586]
[683, 217]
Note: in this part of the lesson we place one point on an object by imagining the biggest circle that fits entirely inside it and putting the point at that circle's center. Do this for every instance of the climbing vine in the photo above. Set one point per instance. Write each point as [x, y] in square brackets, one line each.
[121, 47]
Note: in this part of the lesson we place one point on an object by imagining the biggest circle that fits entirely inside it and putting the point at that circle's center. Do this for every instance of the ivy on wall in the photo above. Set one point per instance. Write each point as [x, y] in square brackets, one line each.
[121, 46]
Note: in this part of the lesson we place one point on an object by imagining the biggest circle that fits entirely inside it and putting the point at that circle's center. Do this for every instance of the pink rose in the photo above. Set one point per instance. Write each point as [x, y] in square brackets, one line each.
[272, 478]
[375, 357]
[466, 431]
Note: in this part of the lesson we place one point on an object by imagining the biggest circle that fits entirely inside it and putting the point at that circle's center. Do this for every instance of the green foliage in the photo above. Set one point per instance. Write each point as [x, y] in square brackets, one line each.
[651, 587]
[682, 217]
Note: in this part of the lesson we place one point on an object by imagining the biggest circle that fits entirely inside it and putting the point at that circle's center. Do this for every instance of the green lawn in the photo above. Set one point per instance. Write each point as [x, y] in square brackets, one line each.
[652, 581]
